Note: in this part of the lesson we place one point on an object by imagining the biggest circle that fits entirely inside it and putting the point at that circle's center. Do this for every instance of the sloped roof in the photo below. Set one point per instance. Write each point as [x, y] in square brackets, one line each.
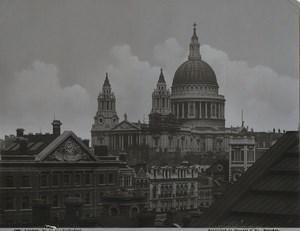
[267, 195]
[125, 125]
[58, 141]
[34, 145]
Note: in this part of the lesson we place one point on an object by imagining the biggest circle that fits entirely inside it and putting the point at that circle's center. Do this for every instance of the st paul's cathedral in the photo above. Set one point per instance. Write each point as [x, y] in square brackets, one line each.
[188, 118]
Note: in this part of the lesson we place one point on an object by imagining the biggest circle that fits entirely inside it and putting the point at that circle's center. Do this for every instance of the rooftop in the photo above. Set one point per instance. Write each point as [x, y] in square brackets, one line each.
[267, 195]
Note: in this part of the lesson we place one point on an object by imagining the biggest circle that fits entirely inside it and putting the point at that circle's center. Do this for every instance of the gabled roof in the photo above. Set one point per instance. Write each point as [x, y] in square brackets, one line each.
[125, 125]
[266, 195]
[66, 147]
[34, 145]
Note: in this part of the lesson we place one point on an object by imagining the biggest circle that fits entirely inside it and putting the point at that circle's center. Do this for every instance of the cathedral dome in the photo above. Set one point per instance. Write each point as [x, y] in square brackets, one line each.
[194, 70]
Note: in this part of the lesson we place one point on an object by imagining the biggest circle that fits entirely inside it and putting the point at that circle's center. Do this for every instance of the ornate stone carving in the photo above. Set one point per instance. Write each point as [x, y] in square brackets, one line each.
[69, 150]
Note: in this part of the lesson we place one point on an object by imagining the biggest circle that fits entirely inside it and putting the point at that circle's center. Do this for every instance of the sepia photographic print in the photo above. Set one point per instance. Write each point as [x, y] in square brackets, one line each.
[149, 114]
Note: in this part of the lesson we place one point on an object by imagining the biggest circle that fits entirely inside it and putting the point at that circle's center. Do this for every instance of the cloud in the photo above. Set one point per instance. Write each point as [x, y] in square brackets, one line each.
[37, 95]
[268, 100]
[132, 81]
[169, 55]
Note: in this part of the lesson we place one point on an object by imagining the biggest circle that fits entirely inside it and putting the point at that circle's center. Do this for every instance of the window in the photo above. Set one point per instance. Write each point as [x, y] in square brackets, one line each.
[100, 196]
[55, 180]
[111, 178]
[88, 179]
[128, 181]
[87, 198]
[77, 195]
[45, 198]
[44, 180]
[156, 141]
[77, 179]
[250, 155]
[101, 179]
[9, 181]
[121, 180]
[25, 181]
[25, 202]
[66, 196]
[154, 192]
[237, 155]
[55, 201]
[66, 179]
[10, 203]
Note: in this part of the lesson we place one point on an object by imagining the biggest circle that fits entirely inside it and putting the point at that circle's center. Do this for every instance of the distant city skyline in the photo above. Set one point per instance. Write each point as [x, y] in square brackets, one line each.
[54, 56]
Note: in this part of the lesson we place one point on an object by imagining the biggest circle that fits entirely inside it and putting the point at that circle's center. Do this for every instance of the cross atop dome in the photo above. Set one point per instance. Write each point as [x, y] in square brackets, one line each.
[195, 24]
[194, 45]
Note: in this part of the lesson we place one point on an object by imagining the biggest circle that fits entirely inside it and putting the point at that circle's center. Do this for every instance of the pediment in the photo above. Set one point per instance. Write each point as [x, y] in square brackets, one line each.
[125, 125]
[66, 148]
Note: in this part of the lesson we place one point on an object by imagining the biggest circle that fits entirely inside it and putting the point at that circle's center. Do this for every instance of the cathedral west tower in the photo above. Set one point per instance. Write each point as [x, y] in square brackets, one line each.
[161, 102]
[195, 98]
[106, 116]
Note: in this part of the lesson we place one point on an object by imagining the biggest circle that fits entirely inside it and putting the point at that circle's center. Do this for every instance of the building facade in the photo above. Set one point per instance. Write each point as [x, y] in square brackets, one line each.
[242, 156]
[180, 188]
[56, 167]
[189, 118]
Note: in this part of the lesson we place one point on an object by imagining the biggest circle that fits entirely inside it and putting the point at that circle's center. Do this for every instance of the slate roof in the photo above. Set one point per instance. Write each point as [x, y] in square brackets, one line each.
[267, 195]
[38, 146]
[34, 145]
[266, 135]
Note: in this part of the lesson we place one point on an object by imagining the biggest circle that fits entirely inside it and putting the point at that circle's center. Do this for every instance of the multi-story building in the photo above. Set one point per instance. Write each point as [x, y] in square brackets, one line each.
[264, 140]
[55, 167]
[205, 192]
[180, 188]
[242, 156]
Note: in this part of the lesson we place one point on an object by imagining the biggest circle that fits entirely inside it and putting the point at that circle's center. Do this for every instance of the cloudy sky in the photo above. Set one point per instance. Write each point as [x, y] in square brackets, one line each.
[54, 56]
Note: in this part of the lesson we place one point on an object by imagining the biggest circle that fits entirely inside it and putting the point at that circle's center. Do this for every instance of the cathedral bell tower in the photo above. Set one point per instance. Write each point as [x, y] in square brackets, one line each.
[161, 97]
[106, 116]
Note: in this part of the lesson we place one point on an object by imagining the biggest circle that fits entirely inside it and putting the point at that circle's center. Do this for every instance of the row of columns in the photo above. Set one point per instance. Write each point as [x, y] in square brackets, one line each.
[163, 102]
[107, 105]
[202, 110]
[175, 187]
[122, 141]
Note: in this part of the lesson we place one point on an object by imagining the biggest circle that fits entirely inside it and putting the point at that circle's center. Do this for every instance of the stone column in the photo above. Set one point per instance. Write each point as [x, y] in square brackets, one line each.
[200, 110]
[189, 111]
[182, 109]
[223, 113]
[177, 110]
[205, 110]
[194, 109]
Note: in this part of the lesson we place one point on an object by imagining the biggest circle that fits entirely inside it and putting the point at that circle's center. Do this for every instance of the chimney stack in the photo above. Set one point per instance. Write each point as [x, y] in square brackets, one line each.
[56, 127]
[23, 145]
[20, 132]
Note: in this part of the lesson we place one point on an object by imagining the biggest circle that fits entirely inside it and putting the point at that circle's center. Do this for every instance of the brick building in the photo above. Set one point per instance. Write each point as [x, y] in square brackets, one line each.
[55, 167]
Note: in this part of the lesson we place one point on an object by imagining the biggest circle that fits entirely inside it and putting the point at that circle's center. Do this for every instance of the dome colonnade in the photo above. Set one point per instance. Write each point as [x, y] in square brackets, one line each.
[195, 100]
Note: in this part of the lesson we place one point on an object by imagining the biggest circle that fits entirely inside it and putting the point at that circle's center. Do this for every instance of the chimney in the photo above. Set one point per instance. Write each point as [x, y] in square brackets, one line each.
[20, 132]
[56, 127]
[23, 146]
[86, 142]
